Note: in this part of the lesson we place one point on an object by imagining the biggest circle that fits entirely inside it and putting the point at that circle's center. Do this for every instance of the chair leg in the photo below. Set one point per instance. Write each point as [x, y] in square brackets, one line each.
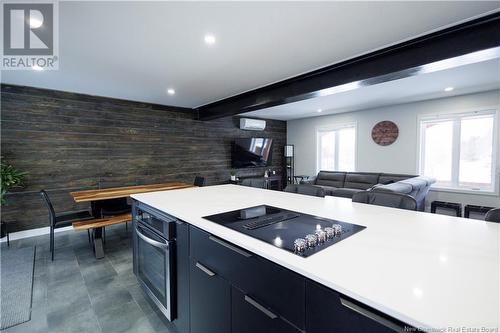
[104, 235]
[88, 234]
[92, 240]
[52, 242]
[126, 226]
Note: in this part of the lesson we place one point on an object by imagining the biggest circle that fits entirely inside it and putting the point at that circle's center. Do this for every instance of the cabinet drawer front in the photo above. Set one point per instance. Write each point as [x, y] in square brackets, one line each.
[223, 258]
[250, 316]
[277, 287]
[329, 311]
[210, 301]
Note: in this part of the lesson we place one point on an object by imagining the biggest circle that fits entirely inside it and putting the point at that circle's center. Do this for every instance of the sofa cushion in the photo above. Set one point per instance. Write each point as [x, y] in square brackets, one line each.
[330, 178]
[387, 199]
[417, 187]
[389, 178]
[305, 189]
[328, 189]
[394, 187]
[417, 183]
[360, 180]
[345, 192]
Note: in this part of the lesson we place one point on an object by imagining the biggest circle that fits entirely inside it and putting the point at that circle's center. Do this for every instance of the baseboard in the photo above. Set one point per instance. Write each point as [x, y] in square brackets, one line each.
[32, 233]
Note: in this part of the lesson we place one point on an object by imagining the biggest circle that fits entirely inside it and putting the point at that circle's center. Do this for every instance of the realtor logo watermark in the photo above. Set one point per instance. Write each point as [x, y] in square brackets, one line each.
[30, 39]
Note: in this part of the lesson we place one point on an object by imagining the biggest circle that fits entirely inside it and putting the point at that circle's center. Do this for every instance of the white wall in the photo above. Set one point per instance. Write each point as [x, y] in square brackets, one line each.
[401, 156]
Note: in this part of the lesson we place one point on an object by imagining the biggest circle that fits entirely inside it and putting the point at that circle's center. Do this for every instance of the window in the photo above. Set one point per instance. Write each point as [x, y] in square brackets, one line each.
[337, 148]
[458, 150]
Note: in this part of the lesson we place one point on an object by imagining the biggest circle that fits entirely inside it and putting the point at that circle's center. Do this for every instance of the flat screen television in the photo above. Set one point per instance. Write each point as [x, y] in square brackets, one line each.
[251, 153]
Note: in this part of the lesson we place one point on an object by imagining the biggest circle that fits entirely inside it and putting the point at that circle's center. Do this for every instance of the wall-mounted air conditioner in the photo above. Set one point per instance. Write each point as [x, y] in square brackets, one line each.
[252, 124]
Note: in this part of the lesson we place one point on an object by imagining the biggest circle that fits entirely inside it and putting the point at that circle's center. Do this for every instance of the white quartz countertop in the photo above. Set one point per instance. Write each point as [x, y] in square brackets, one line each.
[431, 271]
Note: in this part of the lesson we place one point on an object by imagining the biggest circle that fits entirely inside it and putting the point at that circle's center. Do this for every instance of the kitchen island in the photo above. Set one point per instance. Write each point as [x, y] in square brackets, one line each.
[427, 271]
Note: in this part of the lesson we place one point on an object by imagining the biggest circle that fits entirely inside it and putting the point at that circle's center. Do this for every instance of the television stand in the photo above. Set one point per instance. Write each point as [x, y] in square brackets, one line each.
[273, 182]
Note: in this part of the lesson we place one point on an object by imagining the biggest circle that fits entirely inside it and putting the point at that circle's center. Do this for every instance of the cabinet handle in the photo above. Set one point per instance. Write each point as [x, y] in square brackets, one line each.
[370, 315]
[205, 270]
[259, 307]
[229, 246]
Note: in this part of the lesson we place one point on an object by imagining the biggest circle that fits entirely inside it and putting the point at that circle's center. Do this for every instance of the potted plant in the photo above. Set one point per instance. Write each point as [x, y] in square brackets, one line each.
[233, 175]
[11, 177]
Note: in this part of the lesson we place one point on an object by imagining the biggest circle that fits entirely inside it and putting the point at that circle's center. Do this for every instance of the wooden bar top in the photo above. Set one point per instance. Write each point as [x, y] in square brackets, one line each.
[123, 192]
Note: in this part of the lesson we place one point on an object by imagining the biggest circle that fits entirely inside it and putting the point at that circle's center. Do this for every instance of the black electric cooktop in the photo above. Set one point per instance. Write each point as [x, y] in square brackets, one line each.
[300, 233]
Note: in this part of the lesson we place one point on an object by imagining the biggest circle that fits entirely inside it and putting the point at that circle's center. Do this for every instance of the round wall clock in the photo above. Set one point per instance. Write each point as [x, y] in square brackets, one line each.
[385, 133]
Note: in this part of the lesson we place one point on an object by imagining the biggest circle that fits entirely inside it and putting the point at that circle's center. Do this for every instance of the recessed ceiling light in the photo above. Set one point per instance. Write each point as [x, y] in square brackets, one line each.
[418, 292]
[448, 89]
[210, 39]
[36, 68]
[319, 110]
[170, 91]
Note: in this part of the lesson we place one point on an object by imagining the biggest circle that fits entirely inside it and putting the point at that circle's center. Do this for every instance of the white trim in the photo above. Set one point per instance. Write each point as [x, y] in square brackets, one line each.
[336, 127]
[455, 116]
[463, 191]
[32, 233]
[456, 149]
[450, 115]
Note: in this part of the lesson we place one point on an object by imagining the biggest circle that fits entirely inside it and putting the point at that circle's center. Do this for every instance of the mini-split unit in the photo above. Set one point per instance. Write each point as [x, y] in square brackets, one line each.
[252, 124]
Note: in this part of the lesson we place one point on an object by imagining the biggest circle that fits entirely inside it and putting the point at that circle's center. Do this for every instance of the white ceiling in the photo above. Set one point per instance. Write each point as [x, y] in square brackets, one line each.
[482, 76]
[136, 50]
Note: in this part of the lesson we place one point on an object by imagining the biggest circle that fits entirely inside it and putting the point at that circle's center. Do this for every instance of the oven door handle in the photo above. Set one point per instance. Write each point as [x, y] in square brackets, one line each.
[150, 241]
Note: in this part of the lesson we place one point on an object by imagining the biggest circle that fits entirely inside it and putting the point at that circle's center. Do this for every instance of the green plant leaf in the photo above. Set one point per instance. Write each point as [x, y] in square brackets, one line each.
[10, 177]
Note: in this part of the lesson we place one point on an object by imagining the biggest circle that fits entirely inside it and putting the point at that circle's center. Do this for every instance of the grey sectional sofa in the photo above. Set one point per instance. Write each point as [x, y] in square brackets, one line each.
[345, 184]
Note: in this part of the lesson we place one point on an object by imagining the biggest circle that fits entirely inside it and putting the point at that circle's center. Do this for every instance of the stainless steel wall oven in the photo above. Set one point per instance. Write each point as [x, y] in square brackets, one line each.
[154, 256]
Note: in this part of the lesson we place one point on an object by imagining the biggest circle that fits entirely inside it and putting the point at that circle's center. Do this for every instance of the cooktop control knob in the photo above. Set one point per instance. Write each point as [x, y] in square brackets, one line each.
[321, 235]
[338, 229]
[330, 232]
[311, 240]
[300, 245]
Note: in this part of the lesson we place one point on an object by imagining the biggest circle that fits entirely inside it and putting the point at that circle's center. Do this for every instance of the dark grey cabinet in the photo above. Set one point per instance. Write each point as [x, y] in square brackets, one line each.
[249, 315]
[329, 311]
[181, 323]
[210, 300]
[277, 287]
[232, 290]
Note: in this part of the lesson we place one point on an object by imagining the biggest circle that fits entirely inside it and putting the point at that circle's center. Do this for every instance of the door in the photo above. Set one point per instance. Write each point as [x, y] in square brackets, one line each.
[210, 300]
[154, 263]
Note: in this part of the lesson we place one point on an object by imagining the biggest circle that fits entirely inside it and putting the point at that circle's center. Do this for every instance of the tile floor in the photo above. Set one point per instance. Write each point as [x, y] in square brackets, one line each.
[78, 293]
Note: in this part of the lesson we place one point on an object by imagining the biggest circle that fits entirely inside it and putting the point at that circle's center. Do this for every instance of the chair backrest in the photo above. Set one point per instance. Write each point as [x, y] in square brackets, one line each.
[493, 215]
[306, 189]
[199, 181]
[254, 182]
[386, 199]
[52, 213]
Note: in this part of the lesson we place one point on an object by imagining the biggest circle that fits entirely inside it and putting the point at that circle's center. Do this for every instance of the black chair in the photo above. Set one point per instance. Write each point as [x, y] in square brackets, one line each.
[306, 189]
[386, 199]
[493, 215]
[62, 220]
[254, 182]
[199, 181]
[113, 207]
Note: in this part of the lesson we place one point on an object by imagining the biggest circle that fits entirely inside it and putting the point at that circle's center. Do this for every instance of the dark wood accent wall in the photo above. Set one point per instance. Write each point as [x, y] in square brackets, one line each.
[68, 142]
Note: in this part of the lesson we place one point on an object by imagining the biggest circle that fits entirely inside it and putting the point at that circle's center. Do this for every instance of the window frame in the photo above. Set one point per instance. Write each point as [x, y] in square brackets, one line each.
[456, 117]
[336, 127]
